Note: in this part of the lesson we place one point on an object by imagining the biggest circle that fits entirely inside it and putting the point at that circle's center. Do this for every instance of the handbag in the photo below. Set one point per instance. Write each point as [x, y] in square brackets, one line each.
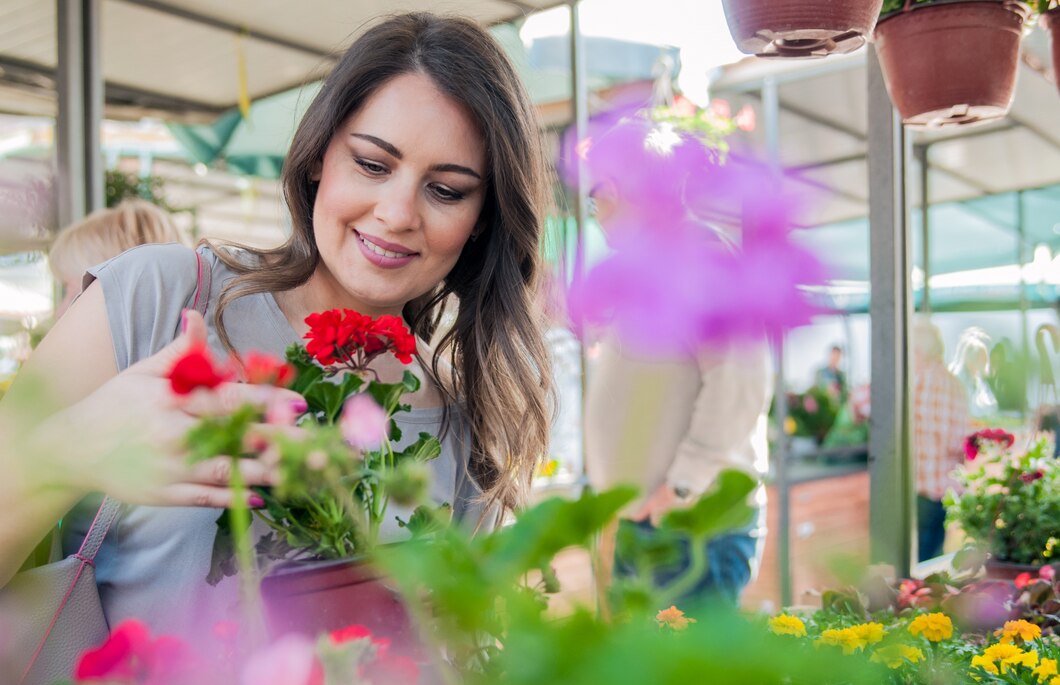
[51, 614]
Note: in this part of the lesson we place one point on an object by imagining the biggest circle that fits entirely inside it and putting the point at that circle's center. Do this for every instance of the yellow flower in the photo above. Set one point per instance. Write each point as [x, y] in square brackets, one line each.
[934, 627]
[985, 663]
[1028, 659]
[846, 638]
[548, 469]
[1055, 680]
[787, 625]
[1046, 668]
[789, 425]
[673, 618]
[868, 633]
[895, 656]
[1022, 629]
[1001, 651]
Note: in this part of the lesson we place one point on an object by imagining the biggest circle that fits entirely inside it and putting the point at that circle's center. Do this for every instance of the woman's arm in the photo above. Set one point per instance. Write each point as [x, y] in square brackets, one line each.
[78, 426]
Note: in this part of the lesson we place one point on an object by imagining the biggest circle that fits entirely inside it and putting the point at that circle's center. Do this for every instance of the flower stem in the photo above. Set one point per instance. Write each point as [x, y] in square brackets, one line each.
[687, 581]
[248, 571]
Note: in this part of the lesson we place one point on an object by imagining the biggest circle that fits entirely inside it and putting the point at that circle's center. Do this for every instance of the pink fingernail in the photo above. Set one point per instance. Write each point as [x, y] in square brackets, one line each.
[256, 501]
[299, 406]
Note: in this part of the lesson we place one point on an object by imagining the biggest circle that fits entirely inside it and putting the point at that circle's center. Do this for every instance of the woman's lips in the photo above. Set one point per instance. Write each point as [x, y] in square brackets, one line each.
[382, 253]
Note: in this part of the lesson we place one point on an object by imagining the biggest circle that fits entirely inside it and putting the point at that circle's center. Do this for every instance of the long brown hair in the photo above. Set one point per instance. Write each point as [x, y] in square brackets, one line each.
[500, 368]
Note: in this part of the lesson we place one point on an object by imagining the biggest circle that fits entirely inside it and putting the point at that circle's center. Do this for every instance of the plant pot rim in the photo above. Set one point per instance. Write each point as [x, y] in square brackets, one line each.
[294, 566]
[1015, 6]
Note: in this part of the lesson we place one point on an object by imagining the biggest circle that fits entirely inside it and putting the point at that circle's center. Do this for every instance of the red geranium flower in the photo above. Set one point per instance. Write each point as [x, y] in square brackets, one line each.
[351, 340]
[196, 369]
[131, 655]
[264, 369]
[973, 442]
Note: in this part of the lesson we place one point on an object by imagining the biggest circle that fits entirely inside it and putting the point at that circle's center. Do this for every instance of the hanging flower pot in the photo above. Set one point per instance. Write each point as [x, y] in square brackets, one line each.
[800, 28]
[950, 62]
[1051, 21]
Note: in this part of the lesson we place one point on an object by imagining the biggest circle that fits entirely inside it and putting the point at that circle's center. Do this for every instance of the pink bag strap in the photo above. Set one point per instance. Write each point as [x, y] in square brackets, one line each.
[105, 516]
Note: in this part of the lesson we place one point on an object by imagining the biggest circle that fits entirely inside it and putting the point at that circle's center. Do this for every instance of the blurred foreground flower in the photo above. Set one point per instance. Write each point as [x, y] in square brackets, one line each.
[130, 656]
[364, 423]
[673, 618]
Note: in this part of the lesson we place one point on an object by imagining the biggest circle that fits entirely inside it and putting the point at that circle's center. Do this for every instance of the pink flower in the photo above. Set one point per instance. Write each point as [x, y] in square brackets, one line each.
[131, 655]
[1047, 573]
[364, 423]
[746, 119]
[720, 108]
[291, 660]
[810, 404]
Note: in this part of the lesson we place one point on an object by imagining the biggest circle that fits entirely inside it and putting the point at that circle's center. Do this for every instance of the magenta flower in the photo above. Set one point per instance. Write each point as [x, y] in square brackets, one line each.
[364, 423]
[291, 660]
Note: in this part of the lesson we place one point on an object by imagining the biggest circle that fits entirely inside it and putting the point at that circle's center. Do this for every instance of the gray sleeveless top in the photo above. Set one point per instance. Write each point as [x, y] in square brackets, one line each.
[154, 561]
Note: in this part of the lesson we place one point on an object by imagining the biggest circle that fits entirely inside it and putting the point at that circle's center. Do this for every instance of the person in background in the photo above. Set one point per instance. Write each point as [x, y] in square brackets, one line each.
[831, 377]
[104, 234]
[971, 366]
[941, 422]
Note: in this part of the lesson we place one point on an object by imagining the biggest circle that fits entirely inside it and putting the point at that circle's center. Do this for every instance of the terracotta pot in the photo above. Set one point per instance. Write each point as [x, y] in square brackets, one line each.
[310, 597]
[1007, 570]
[1051, 21]
[951, 63]
[800, 28]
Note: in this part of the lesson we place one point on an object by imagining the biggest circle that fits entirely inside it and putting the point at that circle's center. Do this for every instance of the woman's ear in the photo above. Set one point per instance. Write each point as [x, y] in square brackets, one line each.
[318, 169]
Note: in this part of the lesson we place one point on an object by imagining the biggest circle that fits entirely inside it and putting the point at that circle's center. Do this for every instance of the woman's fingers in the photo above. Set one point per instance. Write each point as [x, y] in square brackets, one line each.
[199, 495]
[218, 471]
[228, 397]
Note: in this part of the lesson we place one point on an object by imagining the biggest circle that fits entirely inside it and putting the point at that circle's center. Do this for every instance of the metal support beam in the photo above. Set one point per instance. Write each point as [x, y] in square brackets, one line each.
[580, 113]
[890, 501]
[79, 85]
[921, 152]
[771, 115]
[1025, 330]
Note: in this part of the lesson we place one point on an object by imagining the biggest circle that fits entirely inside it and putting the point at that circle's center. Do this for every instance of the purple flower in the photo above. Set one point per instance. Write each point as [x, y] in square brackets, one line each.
[364, 423]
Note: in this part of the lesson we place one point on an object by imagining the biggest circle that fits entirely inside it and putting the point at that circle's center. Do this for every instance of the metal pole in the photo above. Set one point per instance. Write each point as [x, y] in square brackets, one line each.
[1025, 334]
[890, 502]
[580, 120]
[79, 85]
[921, 152]
[771, 116]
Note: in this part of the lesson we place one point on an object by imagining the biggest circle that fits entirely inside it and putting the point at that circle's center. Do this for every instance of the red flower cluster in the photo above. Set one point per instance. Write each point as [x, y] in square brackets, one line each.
[383, 669]
[973, 442]
[196, 369]
[131, 655]
[351, 339]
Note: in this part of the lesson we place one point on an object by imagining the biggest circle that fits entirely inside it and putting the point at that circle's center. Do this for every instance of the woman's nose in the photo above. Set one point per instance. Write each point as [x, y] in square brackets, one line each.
[397, 207]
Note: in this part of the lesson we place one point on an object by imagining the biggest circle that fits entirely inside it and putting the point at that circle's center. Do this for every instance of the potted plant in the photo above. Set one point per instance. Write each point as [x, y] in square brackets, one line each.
[800, 28]
[1049, 16]
[1008, 502]
[338, 473]
[950, 62]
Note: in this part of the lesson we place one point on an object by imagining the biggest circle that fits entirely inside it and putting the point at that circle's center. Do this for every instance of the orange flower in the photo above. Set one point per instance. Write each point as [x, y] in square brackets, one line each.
[673, 618]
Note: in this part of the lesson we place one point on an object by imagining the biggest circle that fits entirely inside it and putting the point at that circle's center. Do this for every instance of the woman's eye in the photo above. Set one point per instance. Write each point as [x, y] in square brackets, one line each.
[446, 194]
[372, 167]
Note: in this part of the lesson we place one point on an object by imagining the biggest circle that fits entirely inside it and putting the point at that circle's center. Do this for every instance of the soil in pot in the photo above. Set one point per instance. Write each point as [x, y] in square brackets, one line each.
[311, 597]
[951, 63]
[800, 28]
[1051, 21]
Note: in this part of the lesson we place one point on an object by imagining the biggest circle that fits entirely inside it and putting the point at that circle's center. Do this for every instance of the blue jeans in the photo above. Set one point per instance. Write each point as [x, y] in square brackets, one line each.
[930, 527]
[730, 561]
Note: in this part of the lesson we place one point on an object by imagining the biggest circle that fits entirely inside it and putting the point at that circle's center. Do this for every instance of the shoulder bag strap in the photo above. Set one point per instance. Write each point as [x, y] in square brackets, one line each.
[202, 285]
[105, 517]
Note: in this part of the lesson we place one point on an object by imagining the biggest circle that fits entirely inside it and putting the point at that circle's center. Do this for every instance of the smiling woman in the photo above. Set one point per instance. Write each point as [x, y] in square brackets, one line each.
[416, 179]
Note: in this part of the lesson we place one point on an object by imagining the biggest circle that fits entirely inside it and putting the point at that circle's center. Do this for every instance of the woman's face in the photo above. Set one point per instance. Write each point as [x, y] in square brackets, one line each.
[401, 189]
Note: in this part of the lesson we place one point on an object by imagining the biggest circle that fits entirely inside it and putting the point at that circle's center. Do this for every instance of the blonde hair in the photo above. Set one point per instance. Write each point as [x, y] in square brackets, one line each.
[107, 233]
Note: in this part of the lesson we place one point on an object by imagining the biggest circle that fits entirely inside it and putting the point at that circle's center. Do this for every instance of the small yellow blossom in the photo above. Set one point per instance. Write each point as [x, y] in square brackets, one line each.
[896, 656]
[673, 618]
[787, 625]
[548, 469]
[1022, 629]
[846, 638]
[1001, 651]
[789, 425]
[985, 663]
[1028, 659]
[1055, 680]
[1046, 668]
[934, 627]
[868, 633]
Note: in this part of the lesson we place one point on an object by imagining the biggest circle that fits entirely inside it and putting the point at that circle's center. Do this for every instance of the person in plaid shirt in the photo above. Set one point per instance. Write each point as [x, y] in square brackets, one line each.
[941, 420]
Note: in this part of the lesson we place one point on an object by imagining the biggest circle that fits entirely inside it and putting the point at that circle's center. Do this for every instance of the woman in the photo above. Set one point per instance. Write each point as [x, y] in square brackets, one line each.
[104, 234]
[415, 175]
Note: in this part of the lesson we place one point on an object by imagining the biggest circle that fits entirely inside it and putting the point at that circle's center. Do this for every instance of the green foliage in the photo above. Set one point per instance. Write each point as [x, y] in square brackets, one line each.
[1010, 504]
[814, 412]
[724, 507]
[118, 186]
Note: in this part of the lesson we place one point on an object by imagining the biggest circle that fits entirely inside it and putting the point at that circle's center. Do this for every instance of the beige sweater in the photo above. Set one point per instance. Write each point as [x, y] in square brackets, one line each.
[678, 422]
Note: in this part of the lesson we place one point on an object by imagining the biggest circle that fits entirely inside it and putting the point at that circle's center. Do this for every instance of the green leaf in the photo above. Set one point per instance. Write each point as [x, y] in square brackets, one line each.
[424, 449]
[388, 395]
[223, 561]
[427, 520]
[721, 509]
[307, 371]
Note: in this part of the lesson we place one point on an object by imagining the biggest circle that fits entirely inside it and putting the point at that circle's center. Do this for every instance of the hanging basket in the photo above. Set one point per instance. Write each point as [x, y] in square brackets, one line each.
[1051, 21]
[800, 28]
[951, 62]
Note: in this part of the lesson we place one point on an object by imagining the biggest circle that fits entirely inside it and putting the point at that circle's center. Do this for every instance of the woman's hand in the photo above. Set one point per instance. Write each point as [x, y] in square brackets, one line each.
[128, 435]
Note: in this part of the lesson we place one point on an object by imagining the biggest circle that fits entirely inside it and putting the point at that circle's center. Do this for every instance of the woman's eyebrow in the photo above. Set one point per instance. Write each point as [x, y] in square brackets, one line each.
[397, 154]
